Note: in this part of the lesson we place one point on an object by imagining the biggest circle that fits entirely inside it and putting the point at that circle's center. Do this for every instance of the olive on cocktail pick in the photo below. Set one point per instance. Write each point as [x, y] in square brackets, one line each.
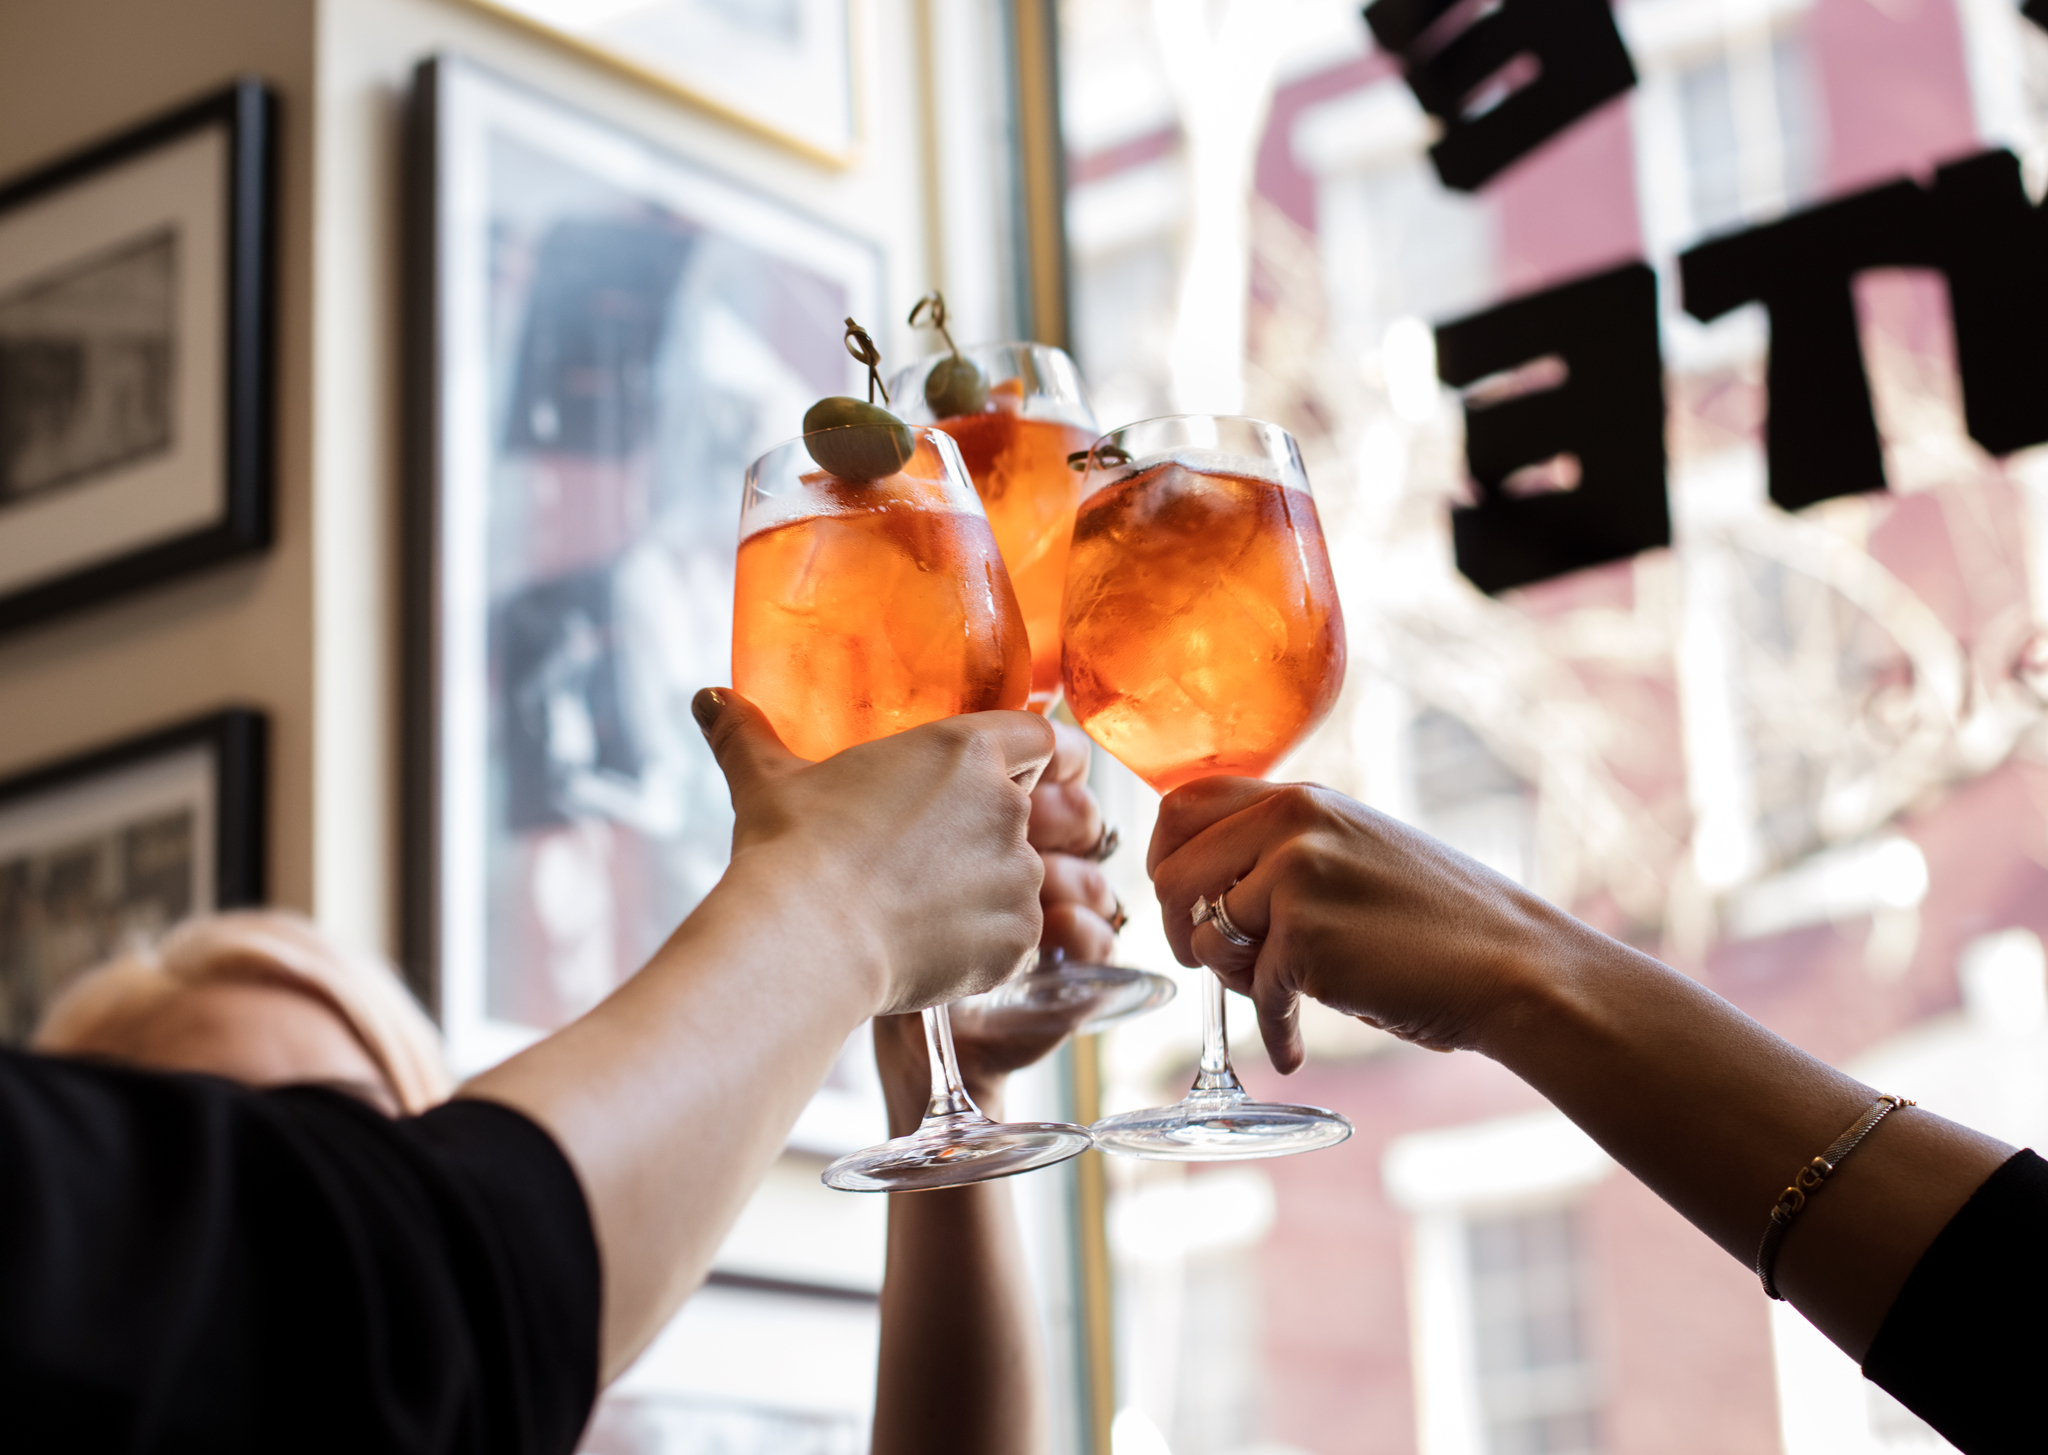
[856, 439]
[956, 385]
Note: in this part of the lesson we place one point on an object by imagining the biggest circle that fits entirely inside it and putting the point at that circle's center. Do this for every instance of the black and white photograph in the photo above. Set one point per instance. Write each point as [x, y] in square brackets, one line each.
[619, 332]
[85, 367]
[114, 847]
[134, 358]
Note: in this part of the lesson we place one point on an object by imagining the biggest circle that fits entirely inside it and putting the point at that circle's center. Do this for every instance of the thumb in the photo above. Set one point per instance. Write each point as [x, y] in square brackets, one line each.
[745, 743]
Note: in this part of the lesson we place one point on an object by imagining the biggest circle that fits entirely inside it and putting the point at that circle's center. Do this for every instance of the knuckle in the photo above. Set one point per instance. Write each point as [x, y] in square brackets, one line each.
[1296, 861]
[1298, 804]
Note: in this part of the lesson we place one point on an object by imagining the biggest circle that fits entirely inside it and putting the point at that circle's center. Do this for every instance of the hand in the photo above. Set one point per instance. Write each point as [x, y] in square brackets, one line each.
[1066, 822]
[1349, 906]
[918, 838]
[1078, 906]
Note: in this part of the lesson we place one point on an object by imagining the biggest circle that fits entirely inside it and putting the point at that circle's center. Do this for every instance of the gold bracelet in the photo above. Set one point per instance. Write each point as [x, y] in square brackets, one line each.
[1810, 1177]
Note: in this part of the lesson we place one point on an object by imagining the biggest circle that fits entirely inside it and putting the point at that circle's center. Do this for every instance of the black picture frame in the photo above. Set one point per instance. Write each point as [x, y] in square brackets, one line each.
[215, 768]
[242, 523]
[474, 800]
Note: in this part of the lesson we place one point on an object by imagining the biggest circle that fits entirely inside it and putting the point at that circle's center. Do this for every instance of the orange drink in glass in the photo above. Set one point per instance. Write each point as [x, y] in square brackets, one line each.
[862, 608]
[1203, 630]
[881, 606]
[1019, 428]
[1203, 636]
[1015, 446]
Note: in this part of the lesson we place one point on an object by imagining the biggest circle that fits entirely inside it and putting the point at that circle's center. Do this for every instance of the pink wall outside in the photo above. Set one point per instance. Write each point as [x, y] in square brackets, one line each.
[1895, 89]
[1569, 208]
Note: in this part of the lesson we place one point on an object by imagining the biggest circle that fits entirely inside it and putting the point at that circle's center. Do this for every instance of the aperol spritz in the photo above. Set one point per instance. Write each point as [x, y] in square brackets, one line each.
[1203, 631]
[1020, 417]
[886, 608]
[1203, 636]
[863, 607]
[1015, 441]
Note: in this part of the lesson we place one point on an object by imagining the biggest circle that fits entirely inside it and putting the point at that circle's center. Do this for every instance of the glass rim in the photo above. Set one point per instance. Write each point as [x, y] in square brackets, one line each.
[788, 470]
[797, 439]
[1084, 462]
[1007, 343]
[1194, 414]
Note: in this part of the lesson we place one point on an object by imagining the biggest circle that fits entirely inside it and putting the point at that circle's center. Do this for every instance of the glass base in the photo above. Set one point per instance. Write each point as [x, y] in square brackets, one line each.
[1220, 1126]
[1069, 995]
[949, 1151]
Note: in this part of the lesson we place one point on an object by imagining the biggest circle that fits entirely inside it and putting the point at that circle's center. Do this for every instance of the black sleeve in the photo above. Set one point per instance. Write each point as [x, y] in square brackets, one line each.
[189, 1266]
[1964, 1342]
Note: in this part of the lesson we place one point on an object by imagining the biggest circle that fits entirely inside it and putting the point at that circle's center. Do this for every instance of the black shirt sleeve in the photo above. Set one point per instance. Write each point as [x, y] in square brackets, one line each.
[1963, 1343]
[186, 1265]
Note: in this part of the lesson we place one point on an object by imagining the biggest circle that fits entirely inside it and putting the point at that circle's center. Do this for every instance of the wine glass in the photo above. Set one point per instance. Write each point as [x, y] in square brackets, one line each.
[1203, 636]
[1019, 413]
[862, 607]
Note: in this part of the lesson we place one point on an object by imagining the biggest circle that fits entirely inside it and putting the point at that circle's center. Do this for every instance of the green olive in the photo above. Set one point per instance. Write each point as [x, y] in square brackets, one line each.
[955, 386]
[855, 440]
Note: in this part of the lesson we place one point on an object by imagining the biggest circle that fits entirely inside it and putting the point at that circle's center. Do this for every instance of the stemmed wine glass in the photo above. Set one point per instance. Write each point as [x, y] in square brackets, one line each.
[1203, 636]
[862, 607]
[1019, 413]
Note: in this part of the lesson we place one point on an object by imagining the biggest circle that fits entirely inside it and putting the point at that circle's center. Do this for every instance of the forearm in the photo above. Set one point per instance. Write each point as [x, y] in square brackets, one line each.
[961, 1371]
[1715, 1114]
[673, 1096]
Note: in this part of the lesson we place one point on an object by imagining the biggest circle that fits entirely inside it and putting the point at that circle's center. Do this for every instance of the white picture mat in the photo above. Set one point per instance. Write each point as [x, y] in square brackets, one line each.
[91, 808]
[799, 85]
[472, 108]
[181, 186]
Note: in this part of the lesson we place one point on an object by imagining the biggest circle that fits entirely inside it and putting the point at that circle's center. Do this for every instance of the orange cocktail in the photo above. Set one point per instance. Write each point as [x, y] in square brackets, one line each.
[1202, 628]
[860, 610]
[1015, 445]
[1203, 636]
[1019, 467]
[870, 598]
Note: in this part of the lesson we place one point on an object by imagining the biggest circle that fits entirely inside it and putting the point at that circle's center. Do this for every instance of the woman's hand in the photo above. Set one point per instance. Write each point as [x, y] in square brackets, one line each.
[918, 840]
[1078, 908]
[1348, 906]
[1707, 1108]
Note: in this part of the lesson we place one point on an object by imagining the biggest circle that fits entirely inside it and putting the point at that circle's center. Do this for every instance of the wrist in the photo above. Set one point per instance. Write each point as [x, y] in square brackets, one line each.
[1542, 979]
[807, 894]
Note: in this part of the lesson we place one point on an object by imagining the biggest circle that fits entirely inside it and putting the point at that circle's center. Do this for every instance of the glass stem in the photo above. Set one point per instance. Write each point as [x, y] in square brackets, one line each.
[1215, 1074]
[949, 1093]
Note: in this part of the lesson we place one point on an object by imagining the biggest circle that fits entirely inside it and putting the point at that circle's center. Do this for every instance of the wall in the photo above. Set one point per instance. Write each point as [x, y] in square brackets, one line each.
[367, 50]
[311, 632]
[72, 71]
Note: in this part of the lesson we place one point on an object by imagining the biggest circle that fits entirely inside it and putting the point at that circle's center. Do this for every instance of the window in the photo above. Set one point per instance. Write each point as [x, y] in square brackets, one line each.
[1751, 140]
[1497, 1270]
[1535, 1375]
[1469, 798]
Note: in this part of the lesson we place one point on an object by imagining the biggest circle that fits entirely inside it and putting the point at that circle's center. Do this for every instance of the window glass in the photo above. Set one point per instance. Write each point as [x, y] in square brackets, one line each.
[1797, 755]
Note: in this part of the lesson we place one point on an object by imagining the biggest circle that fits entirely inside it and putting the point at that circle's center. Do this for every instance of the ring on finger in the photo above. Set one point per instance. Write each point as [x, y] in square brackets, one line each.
[1211, 912]
[1118, 919]
[1104, 845]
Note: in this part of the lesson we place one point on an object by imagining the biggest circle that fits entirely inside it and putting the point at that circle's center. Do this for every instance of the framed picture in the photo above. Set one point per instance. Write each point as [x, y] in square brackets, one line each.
[135, 306]
[783, 69]
[608, 334]
[124, 842]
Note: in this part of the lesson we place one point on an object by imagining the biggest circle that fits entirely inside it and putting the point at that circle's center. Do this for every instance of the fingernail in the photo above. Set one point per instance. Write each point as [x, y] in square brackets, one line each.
[705, 707]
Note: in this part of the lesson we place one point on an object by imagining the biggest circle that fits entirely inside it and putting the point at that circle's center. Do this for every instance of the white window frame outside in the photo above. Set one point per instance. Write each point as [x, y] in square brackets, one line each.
[1443, 1179]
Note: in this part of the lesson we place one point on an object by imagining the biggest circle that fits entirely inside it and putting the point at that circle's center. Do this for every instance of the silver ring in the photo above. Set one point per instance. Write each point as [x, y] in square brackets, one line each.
[1103, 846]
[1212, 912]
